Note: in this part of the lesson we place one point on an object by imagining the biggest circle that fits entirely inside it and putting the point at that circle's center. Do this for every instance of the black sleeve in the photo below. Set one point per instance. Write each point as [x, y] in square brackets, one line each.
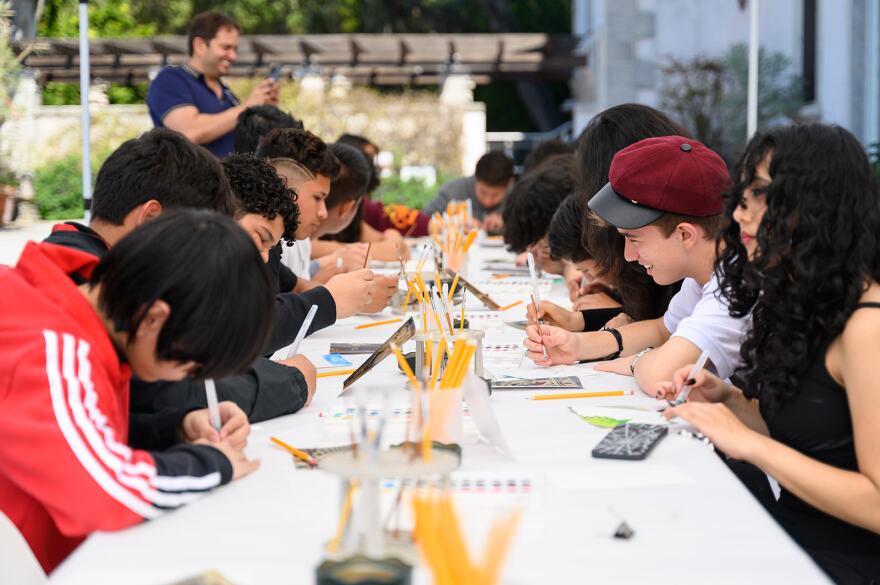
[155, 431]
[268, 390]
[287, 279]
[188, 469]
[283, 277]
[595, 319]
[290, 312]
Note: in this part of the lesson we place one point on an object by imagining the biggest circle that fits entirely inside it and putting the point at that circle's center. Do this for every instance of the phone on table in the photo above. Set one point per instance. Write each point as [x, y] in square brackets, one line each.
[275, 72]
[629, 441]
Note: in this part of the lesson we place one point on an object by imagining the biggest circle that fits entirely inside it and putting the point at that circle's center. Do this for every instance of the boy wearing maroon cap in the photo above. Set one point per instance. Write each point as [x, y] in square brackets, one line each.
[664, 196]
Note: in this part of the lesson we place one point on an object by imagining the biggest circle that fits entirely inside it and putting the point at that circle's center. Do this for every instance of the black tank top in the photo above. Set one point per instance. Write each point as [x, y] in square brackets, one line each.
[817, 422]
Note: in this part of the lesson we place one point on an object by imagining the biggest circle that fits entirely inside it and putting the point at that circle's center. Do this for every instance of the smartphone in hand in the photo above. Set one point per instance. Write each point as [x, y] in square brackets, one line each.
[275, 72]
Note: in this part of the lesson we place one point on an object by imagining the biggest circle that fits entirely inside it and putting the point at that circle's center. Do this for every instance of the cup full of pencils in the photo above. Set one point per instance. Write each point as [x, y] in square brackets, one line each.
[453, 234]
[436, 397]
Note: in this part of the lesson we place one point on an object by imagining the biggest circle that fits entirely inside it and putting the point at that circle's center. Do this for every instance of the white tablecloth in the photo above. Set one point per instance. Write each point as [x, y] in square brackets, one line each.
[693, 521]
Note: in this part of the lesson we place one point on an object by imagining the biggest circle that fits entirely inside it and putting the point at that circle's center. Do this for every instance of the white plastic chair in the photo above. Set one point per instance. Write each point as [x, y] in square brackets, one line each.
[17, 563]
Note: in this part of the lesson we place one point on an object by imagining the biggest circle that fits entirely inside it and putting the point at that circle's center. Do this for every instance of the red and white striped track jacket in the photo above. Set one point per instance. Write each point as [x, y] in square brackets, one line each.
[65, 467]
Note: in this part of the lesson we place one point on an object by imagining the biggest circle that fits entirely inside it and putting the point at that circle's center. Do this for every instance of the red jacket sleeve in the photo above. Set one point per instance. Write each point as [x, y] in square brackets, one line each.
[64, 421]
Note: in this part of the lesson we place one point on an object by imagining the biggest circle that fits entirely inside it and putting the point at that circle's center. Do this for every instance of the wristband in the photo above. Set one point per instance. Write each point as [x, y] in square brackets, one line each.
[618, 338]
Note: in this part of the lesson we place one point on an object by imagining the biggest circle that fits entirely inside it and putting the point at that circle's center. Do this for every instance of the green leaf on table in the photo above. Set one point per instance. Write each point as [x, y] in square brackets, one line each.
[605, 422]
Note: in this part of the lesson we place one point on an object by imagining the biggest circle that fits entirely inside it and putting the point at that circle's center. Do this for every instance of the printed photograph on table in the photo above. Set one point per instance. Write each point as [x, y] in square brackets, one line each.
[399, 337]
[562, 383]
[354, 348]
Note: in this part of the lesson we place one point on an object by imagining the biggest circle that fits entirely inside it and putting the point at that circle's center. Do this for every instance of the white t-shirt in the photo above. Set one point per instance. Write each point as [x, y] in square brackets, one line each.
[298, 257]
[697, 314]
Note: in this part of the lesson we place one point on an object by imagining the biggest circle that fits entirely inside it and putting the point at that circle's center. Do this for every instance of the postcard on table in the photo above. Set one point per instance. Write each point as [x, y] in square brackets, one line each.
[399, 337]
[560, 383]
[354, 348]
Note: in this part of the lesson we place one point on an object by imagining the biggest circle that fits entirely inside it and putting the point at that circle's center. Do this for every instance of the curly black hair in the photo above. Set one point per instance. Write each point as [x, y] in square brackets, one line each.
[531, 203]
[818, 249]
[608, 132]
[256, 121]
[301, 146]
[258, 188]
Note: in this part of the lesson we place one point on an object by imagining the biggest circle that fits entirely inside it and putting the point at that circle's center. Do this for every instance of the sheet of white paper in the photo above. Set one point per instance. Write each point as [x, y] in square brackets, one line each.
[548, 372]
[618, 475]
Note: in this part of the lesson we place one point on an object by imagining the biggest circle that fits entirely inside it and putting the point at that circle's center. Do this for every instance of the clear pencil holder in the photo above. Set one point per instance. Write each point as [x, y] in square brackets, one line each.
[443, 412]
[421, 354]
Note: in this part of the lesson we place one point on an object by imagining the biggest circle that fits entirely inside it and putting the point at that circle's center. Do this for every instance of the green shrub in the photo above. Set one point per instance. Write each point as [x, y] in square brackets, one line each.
[58, 188]
[413, 193]
[874, 154]
[57, 93]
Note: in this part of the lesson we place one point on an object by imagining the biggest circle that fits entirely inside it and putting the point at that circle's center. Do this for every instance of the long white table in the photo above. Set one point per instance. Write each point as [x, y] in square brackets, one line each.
[693, 521]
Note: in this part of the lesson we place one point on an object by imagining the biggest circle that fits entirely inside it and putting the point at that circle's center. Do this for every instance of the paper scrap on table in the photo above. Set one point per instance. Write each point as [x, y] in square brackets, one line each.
[609, 411]
[625, 474]
[320, 361]
[529, 373]
[336, 359]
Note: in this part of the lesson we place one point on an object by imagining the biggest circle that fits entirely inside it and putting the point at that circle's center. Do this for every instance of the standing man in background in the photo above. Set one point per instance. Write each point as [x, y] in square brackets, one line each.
[486, 189]
[191, 98]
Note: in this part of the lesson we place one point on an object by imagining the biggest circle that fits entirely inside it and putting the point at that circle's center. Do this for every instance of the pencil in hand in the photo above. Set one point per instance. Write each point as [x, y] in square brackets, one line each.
[367, 256]
[295, 452]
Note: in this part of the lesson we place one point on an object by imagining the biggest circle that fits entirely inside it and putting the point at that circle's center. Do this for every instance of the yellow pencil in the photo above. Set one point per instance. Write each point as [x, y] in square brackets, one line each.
[408, 295]
[336, 373]
[343, 518]
[435, 372]
[404, 365]
[510, 306]
[469, 240]
[295, 452]
[377, 323]
[452, 288]
[582, 395]
[429, 343]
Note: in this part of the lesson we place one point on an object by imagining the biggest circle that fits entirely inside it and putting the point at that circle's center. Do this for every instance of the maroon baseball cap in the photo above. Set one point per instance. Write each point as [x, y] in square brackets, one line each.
[667, 174]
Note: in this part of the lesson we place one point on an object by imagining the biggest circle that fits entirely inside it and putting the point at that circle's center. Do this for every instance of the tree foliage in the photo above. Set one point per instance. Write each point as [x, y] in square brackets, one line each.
[138, 18]
[8, 65]
[708, 95]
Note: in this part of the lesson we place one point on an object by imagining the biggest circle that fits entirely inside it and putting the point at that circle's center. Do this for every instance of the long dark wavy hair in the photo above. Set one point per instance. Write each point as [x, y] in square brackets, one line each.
[818, 250]
[608, 132]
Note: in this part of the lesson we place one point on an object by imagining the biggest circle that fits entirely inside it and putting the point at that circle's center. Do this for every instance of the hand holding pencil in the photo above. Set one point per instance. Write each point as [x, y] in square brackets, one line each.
[561, 346]
[196, 425]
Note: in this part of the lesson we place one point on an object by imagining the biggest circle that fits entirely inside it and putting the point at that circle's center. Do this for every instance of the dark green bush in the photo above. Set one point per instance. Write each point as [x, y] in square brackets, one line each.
[414, 193]
[58, 188]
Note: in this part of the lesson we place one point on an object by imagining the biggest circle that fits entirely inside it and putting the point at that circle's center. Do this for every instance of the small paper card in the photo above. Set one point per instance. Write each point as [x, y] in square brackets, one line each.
[561, 383]
[476, 394]
[336, 359]
[354, 348]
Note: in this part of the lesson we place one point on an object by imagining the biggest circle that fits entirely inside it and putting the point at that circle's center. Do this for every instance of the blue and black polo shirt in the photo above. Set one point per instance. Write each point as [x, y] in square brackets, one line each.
[183, 86]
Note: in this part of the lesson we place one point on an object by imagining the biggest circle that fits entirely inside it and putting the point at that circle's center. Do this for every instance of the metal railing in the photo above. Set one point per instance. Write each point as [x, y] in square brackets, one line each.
[517, 145]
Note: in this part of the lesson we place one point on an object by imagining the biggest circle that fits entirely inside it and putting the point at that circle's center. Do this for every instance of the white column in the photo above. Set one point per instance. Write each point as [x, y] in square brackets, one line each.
[752, 120]
[84, 105]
